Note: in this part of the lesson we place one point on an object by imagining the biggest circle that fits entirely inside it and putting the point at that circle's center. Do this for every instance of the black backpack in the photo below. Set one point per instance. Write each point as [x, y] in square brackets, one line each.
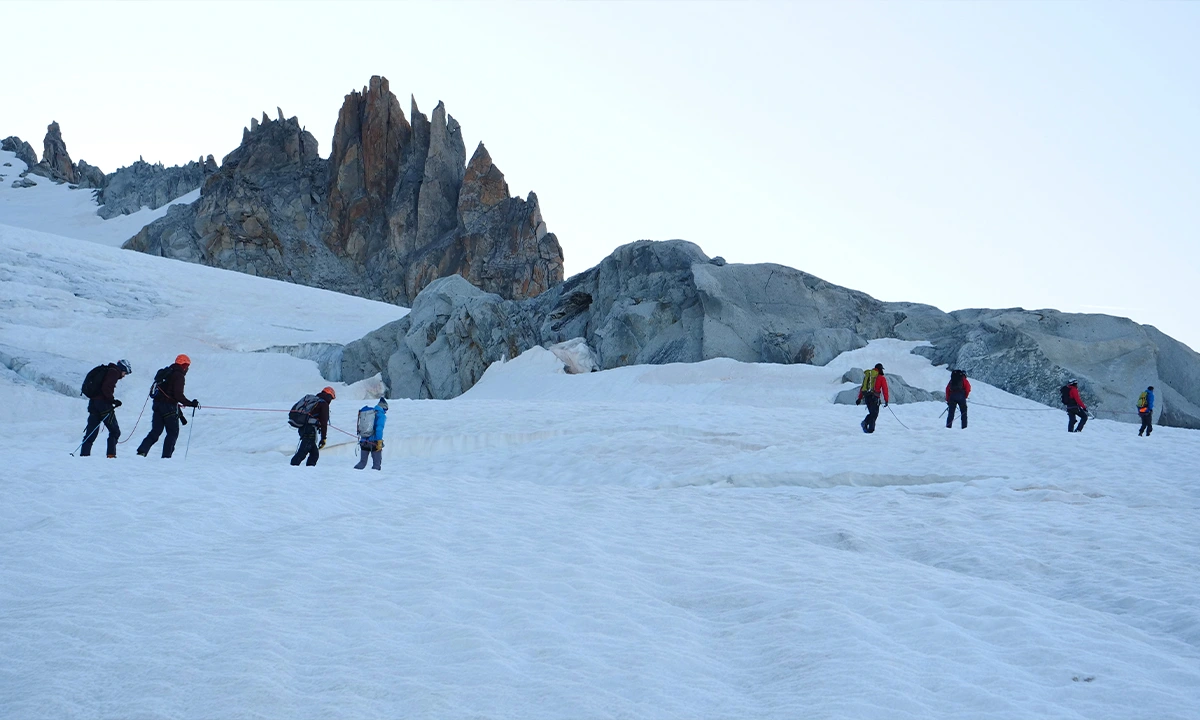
[160, 378]
[956, 380]
[1066, 395]
[92, 381]
[301, 413]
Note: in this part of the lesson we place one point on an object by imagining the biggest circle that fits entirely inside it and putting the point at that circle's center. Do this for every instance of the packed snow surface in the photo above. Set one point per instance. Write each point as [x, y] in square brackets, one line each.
[54, 208]
[716, 540]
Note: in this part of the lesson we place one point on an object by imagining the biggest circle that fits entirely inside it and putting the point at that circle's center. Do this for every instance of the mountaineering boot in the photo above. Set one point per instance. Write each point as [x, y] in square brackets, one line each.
[112, 456]
[141, 454]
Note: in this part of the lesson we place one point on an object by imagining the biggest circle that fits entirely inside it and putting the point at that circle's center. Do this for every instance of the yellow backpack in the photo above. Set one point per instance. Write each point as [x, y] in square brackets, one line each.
[1142, 400]
[868, 384]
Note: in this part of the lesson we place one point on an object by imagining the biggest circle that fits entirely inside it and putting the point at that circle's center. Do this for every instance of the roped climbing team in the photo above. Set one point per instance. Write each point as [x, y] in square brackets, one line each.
[310, 415]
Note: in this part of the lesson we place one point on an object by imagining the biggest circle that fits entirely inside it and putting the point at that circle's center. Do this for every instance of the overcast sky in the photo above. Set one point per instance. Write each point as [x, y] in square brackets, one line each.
[962, 154]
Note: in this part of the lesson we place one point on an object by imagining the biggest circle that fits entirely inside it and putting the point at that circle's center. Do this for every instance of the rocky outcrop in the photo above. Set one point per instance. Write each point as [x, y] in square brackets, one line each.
[660, 302]
[899, 392]
[90, 176]
[1034, 353]
[141, 184]
[441, 348]
[56, 162]
[382, 218]
[23, 150]
[262, 206]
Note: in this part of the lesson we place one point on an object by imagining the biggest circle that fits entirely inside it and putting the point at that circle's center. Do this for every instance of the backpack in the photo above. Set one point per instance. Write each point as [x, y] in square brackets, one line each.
[366, 422]
[1065, 391]
[160, 378]
[92, 381]
[301, 413]
[868, 383]
[1142, 401]
[956, 380]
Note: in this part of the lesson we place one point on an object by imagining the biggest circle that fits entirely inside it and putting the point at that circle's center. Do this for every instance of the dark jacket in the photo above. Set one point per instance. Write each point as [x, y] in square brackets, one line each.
[109, 384]
[171, 391]
[321, 413]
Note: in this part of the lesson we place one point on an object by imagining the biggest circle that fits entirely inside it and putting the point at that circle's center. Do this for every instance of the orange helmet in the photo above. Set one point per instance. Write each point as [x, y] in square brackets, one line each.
[329, 391]
[183, 360]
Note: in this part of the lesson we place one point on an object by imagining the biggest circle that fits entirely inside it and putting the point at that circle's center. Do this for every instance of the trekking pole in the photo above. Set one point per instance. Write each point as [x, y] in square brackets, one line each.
[941, 413]
[93, 432]
[189, 442]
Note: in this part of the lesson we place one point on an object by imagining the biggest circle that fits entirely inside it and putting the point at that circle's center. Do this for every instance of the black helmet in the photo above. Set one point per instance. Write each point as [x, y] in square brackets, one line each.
[1072, 381]
[383, 403]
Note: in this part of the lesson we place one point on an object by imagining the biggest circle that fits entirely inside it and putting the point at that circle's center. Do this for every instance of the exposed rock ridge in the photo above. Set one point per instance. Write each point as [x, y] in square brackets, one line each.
[660, 302]
[141, 184]
[385, 208]
[23, 150]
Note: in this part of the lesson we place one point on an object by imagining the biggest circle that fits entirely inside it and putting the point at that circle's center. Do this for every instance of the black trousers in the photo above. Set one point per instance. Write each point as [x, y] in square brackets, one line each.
[1147, 422]
[165, 417]
[868, 423]
[1074, 413]
[308, 447]
[100, 411]
[961, 403]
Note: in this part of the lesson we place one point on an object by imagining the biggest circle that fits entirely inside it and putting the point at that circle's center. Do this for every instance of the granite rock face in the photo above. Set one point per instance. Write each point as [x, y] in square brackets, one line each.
[261, 207]
[23, 150]
[660, 302]
[381, 218]
[56, 162]
[1032, 353]
[442, 347]
[141, 184]
[90, 176]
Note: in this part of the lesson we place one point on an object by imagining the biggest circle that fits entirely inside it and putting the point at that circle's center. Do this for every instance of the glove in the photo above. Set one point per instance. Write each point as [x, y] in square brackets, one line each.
[116, 404]
[858, 401]
[196, 404]
[885, 404]
[379, 445]
[321, 445]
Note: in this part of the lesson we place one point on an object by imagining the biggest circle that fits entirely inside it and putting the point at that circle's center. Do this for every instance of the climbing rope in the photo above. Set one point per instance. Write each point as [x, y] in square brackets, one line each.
[240, 409]
[129, 435]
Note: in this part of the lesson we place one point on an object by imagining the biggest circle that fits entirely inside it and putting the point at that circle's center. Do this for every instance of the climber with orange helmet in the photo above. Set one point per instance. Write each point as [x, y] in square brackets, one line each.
[309, 416]
[167, 391]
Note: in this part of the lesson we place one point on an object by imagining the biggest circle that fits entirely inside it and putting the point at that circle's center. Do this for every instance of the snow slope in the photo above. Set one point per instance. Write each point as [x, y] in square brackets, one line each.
[713, 540]
[53, 208]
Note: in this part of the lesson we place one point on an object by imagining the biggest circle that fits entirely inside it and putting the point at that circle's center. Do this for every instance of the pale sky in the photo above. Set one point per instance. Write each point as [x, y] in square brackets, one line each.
[963, 154]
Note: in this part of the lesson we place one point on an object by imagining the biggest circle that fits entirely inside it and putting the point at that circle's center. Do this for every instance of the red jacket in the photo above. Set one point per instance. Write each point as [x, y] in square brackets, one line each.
[880, 388]
[1075, 396]
[966, 389]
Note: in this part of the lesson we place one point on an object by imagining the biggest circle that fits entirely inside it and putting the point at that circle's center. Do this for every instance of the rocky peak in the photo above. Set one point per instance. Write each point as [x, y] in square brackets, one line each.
[483, 188]
[369, 144]
[23, 150]
[55, 156]
[272, 145]
[381, 218]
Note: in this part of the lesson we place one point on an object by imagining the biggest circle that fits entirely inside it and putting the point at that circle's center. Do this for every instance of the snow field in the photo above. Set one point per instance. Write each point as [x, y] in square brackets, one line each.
[53, 208]
[707, 540]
